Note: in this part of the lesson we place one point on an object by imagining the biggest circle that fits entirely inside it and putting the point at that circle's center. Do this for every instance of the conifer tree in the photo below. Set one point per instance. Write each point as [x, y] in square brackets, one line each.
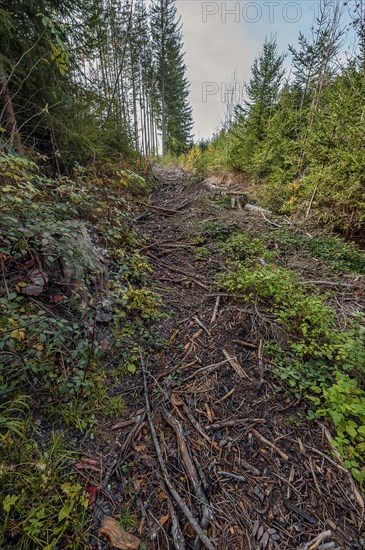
[172, 86]
[263, 88]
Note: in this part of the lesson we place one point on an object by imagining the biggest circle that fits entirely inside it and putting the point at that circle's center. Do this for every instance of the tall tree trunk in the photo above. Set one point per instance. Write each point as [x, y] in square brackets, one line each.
[11, 124]
[163, 118]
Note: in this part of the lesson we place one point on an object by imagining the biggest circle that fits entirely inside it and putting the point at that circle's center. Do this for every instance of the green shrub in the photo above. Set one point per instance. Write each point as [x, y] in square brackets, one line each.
[218, 231]
[245, 246]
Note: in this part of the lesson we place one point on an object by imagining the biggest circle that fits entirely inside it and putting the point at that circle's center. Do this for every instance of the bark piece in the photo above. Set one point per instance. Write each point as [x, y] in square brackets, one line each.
[118, 537]
[236, 366]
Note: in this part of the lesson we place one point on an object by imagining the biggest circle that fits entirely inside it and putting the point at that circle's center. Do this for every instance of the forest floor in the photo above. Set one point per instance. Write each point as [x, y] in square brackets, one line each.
[213, 448]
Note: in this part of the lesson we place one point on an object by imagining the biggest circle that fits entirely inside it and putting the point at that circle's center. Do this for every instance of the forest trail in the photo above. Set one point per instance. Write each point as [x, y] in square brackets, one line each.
[249, 467]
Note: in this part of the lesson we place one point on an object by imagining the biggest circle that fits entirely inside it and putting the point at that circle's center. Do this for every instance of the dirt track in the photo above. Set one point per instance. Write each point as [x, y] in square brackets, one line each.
[241, 456]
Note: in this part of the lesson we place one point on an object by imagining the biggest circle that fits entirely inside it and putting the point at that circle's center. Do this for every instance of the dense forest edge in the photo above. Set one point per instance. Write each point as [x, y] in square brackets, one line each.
[95, 109]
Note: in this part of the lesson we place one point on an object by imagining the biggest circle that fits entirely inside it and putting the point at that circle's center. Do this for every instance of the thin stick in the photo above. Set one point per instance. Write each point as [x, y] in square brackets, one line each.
[199, 429]
[245, 344]
[269, 221]
[314, 543]
[161, 209]
[201, 324]
[236, 366]
[236, 477]
[215, 310]
[269, 444]
[202, 369]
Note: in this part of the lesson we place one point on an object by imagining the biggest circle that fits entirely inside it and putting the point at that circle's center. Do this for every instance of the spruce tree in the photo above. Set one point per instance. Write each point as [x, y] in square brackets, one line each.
[175, 115]
[263, 88]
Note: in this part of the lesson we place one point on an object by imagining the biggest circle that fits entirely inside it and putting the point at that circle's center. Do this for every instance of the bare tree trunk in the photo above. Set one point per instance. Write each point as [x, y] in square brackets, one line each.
[163, 118]
[11, 124]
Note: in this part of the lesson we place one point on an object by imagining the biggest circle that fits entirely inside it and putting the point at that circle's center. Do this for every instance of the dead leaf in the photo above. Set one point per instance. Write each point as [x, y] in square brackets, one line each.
[93, 493]
[175, 399]
[118, 537]
[58, 298]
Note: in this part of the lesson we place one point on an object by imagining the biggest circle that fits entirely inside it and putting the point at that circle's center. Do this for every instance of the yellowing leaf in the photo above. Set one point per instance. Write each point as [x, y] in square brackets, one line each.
[18, 334]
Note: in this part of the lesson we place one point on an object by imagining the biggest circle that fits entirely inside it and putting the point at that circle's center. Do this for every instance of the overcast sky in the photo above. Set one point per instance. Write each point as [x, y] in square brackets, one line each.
[221, 38]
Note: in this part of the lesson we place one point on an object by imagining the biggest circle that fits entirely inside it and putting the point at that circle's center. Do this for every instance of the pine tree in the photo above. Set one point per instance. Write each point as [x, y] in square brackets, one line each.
[313, 61]
[175, 115]
[263, 88]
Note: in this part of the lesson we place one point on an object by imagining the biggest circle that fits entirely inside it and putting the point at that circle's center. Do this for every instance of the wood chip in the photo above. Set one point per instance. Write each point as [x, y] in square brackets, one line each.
[236, 366]
[118, 537]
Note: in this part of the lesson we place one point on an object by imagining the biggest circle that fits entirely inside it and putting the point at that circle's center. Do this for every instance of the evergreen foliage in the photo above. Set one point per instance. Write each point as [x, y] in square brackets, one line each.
[301, 139]
[172, 86]
[100, 65]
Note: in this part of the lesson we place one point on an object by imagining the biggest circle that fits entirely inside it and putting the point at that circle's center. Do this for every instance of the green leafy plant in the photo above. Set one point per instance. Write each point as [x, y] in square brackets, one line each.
[137, 301]
[217, 230]
[246, 247]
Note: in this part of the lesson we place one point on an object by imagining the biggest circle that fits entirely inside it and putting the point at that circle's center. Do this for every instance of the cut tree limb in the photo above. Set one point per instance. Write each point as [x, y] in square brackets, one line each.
[190, 469]
[215, 310]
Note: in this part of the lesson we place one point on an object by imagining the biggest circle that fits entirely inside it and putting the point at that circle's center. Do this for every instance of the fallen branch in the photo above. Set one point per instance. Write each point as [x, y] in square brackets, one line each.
[190, 469]
[207, 368]
[175, 495]
[201, 324]
[299, 512]
[161, 209]
[176, 532]
[225, 396]
[126, 423]
[314, 543]
[233, 476]
[245, 344]
[269, 221]
[215, 310]
[269, 444]
[199, 429]
[235, 422]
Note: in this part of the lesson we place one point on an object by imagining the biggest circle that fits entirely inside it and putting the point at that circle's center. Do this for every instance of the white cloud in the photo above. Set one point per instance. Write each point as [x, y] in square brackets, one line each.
[214, 51]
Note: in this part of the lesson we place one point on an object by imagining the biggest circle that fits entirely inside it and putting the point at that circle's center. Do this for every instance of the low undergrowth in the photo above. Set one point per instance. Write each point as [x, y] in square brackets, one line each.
[324, 356]
[338, 255]
[74, 301]
[42, 504]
